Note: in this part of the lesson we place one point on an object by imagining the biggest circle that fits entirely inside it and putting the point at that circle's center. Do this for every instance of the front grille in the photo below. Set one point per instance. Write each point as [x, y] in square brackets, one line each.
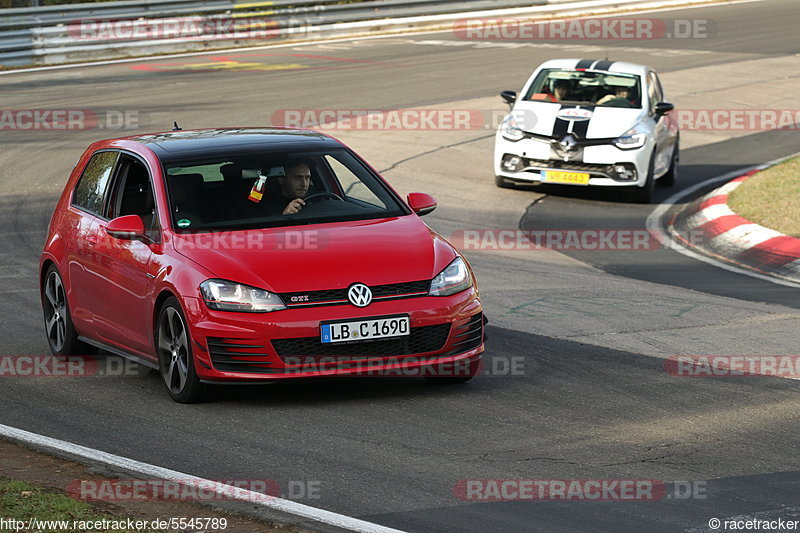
[580, 142]
[568, 165]
[422, 339]
[339, 296]
[238, 355]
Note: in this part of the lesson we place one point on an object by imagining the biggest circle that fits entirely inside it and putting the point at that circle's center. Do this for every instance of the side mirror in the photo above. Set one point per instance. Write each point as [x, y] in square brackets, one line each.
[509, 97]
[421, 203]
[128, 227]
[664, 107]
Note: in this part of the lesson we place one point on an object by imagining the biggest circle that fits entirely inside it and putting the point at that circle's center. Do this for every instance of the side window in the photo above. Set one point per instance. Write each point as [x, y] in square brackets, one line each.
[133, 193]
[90, 193]
[351, 185]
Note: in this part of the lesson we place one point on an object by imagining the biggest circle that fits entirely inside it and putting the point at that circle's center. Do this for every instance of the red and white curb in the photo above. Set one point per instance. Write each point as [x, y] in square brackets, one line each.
[707, 224]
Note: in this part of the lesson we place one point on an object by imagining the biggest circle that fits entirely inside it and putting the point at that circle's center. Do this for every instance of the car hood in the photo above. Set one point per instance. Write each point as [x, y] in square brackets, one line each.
[321, 256]
[543, 118]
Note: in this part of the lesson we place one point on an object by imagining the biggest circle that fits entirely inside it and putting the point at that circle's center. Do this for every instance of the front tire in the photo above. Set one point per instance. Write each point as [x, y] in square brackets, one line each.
[669, 179]
[175, 355]
[643, 195]
[61, 335]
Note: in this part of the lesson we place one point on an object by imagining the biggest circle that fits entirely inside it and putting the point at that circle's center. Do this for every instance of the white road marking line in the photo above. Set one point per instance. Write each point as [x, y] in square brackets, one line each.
[286, 506]
[411, 33]
[654, 226]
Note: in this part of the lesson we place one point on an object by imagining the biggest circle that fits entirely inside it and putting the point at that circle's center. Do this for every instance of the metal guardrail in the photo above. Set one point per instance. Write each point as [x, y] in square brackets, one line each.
[105, 30]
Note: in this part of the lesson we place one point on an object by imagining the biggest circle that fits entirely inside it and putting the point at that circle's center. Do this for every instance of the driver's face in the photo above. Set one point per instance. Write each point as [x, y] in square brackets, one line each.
[295, 183]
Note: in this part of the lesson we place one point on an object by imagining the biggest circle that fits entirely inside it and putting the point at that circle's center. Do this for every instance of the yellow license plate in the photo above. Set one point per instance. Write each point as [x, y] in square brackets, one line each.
[576, 178]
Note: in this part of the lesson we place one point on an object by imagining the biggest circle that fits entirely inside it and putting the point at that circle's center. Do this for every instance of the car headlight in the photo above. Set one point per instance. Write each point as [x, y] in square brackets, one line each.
[224, 295]
[454, 278]
[510, 130]
[631, 139]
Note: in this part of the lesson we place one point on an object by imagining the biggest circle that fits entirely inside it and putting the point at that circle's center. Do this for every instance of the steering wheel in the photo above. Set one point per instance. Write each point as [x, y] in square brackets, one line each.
[324, 194]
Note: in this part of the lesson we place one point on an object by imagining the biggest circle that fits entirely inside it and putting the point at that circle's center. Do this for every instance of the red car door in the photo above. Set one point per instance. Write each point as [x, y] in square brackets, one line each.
[121, 269]
[79, 228]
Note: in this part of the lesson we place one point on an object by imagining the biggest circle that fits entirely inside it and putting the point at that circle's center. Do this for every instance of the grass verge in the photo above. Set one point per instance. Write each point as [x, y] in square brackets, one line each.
[771, 197]
[23, 503]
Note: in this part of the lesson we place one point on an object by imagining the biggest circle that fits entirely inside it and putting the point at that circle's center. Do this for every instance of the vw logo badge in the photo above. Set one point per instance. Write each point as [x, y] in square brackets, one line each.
[359, 295]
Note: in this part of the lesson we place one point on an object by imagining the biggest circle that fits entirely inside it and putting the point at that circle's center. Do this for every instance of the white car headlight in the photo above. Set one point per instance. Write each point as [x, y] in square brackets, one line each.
[224, 295]
[454, 278]
[510, 130]
[631, 139]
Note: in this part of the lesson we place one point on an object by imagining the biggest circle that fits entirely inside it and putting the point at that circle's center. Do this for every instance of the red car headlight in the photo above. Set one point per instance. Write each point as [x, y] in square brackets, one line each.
[453, 279]
[224, 295]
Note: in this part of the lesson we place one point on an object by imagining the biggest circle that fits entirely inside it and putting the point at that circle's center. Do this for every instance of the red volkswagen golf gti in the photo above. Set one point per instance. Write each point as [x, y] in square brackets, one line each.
[248, 255]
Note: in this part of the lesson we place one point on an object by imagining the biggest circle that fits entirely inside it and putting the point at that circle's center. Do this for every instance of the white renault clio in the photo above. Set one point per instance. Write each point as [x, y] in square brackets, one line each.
[589, 122]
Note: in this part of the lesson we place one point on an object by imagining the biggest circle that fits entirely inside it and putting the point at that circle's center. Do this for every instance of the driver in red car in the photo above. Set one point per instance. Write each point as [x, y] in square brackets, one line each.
[294, 186]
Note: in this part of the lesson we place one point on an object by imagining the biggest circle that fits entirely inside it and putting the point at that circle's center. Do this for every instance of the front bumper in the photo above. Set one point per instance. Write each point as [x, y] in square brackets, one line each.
[447, 335]
[601, 162]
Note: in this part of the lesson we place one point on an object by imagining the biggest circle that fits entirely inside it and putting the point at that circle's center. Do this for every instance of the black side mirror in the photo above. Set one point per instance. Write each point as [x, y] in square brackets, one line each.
[509, 96]
[664, 107]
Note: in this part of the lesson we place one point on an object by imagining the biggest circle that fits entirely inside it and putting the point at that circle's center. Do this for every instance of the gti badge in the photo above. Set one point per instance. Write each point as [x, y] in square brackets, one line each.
[359, 295]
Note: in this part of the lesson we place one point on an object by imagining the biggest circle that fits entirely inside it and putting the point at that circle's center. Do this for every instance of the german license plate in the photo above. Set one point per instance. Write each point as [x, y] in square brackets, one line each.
[556, 176]
[364, 329]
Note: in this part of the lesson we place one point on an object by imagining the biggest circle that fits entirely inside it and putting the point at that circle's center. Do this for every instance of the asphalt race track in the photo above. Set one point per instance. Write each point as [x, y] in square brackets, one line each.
[587, 333]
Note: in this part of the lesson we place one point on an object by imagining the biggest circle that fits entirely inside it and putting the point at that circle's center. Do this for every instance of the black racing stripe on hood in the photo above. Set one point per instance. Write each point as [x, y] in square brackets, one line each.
[581, 127]
[603, 65]
[584, 63]
[560, 126]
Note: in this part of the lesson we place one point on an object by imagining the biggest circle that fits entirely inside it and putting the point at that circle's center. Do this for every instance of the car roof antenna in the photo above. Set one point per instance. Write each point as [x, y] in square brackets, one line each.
[175, 126]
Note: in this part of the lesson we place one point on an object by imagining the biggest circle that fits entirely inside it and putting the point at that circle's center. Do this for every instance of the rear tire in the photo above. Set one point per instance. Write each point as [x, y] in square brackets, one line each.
[61, 335]
[669, 179]
[643, 195]
[175, 355]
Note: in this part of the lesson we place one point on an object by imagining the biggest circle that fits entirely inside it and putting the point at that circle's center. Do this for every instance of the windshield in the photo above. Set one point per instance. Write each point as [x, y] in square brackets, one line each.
[229, 192]
[586, 87]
